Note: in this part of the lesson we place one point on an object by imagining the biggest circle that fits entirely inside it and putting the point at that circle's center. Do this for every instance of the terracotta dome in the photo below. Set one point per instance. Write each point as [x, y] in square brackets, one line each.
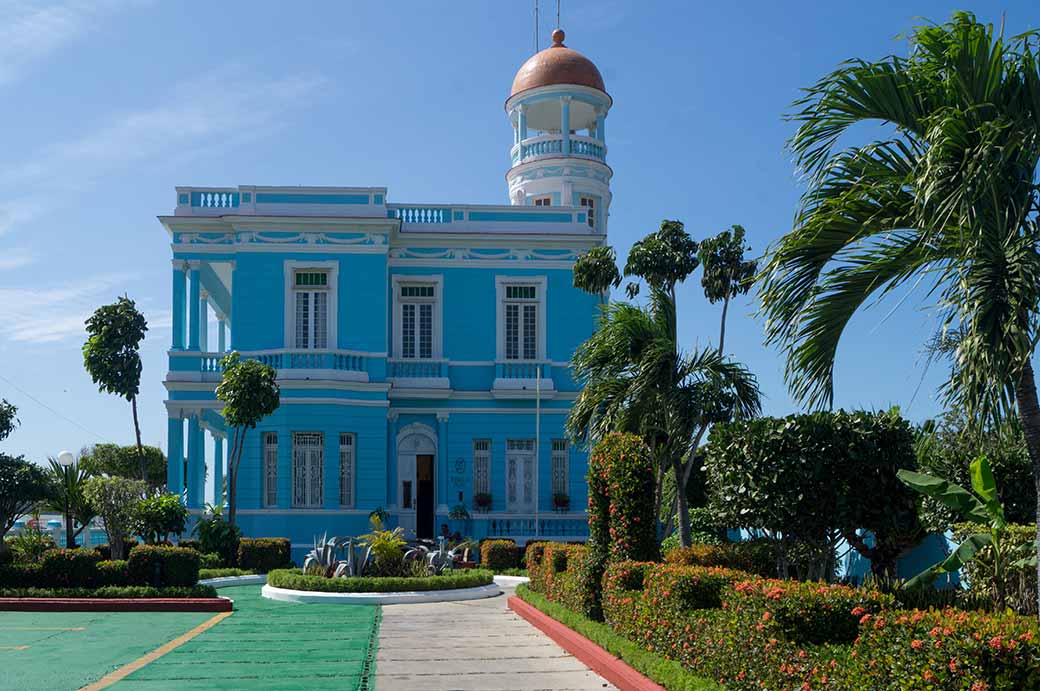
[557, 64]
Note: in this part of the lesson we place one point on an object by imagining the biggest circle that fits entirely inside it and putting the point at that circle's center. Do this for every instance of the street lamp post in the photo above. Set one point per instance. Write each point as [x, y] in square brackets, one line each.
[66, 460]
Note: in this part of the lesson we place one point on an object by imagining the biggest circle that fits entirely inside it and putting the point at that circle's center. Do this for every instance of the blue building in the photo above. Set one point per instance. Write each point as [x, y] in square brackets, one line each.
[422, 349]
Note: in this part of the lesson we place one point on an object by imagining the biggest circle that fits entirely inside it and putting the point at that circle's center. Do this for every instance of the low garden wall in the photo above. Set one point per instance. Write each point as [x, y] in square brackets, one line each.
[750, 632]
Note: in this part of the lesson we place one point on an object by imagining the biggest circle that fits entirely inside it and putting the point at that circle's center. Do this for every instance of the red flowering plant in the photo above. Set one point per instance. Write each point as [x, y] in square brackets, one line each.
[754, 556]
[623, 594]
[811, 613]
[949, 650]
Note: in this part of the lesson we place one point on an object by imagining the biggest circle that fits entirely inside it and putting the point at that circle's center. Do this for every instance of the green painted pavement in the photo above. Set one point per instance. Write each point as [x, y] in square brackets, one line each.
[68, 650]
[271, 645]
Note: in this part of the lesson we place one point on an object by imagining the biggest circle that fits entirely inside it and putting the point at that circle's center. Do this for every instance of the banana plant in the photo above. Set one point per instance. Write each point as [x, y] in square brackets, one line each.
[981, 507]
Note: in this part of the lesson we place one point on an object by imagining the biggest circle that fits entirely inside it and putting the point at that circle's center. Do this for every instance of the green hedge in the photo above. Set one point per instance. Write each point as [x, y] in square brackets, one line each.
[161, 566]
[667, 673]
[111, 592]
[18, 575]
[499, 555]
[753, 556]
[263, 554]
[113, 573]
[69, 568]
[294, 580]
[223, 573]
[105, 550]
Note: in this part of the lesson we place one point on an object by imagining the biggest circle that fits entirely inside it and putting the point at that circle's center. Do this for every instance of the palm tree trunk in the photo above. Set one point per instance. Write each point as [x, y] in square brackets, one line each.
[680, 503]
[1029, 413]
[137, 433]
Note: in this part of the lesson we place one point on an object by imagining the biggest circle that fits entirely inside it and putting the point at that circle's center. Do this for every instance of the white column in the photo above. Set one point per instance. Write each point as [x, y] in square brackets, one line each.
[565, 124]
[221, 333]
[203, 321]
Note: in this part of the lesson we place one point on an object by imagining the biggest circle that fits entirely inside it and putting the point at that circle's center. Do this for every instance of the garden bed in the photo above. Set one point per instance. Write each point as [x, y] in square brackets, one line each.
[292, 586]
[201, 598]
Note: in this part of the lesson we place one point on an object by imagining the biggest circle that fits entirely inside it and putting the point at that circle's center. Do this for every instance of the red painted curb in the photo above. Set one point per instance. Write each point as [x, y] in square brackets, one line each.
[83, 604]
[611, 668]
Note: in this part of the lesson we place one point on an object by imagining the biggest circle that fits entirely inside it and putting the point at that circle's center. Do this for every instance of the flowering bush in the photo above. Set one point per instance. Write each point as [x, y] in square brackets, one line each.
[498, 555]
[946, 650]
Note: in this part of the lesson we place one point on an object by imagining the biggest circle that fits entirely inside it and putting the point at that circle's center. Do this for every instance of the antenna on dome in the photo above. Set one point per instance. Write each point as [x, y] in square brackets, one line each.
[536, 26]
[557, 14]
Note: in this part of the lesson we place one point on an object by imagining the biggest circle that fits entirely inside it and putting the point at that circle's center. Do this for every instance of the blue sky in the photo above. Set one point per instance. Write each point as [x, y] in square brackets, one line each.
[107, 105]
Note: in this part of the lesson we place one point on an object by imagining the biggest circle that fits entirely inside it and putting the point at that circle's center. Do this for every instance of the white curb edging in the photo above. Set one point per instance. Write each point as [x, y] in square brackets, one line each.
[225, 581]
[398, 598]
[511, 581]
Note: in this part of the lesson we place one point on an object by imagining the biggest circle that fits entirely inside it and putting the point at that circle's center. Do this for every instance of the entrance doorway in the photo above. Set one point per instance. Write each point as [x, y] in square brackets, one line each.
[424, 506]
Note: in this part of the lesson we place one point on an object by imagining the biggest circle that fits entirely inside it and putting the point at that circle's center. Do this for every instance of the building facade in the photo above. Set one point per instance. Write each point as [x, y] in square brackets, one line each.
[422, 350]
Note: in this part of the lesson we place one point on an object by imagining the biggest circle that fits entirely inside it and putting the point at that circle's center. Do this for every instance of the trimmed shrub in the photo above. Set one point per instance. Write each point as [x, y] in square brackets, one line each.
[222, 573]
[675, 590]
[21, 575]
[498, 555]
[161, 566]
[211, 560]
[190, 543]
[537, 552]
[810, 613]
[754, 556]
[109, 592]
[945, 650]
[294, 580]
[105, 550]
[69, 568]
[113, 573]
[623, 593]
[263, 554]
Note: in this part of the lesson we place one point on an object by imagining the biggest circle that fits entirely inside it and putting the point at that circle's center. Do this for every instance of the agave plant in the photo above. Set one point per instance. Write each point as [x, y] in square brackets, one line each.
[323, 557]
[356, 562]
[437, 560]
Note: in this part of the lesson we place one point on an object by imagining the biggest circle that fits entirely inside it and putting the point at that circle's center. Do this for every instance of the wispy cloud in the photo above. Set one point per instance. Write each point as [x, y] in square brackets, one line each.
[31, 31]
[14, 258]
[214, 113]
[51, 314]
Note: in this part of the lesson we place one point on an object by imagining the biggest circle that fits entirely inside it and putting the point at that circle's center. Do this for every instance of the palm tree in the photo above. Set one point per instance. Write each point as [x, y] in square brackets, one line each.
[66, 497]
[947, 202]
[638, 380]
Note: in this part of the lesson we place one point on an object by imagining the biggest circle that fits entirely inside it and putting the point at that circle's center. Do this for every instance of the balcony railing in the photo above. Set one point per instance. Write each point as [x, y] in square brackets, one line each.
[417, 369]
[291, 364]
[530, 526]
[522, 369]
[552, 145]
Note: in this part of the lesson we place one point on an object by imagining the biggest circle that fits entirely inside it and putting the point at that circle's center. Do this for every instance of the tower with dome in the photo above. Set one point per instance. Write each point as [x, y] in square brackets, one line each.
[422, 350]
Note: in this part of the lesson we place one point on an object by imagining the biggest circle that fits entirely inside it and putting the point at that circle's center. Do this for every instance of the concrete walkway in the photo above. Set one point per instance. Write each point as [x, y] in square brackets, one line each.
[472, 646]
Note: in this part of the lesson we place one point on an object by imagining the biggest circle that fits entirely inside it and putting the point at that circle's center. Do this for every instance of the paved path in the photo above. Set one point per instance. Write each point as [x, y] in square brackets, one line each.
[478, 645]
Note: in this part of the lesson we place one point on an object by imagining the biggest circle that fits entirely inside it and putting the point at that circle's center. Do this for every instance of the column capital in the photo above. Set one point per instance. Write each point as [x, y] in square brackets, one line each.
[521, 108]
[179, 264]
[194, 264]
[566, 98]
[203, 294]
[221, 317]
[392, 415]
[442, 416]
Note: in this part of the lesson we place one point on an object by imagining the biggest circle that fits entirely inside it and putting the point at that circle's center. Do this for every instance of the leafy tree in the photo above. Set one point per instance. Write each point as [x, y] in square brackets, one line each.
[725, 272]
[808, 480]
[112, 356]
[117, 500]
[250, 392]
[23, 485]
[983, 508]
[160, 516]
[662, 259]
[8, 418]
[596, 271]
[946, 447]
[124, 461]
[637, 380]
[66, 497]
[947, 202]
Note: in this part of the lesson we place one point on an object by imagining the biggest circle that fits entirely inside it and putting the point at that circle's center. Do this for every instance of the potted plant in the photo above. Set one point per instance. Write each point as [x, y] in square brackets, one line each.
[482, 500]
[561, 502]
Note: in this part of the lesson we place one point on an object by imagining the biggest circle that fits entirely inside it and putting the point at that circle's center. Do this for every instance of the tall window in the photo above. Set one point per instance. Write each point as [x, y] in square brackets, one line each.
[543, 201]
[589, 203]
[559, 466]
[417, 321]
[481, 466]
[270, 469]
[520, 474]
[311, 296]
[308, 448]
[346, 470]
[521, 322]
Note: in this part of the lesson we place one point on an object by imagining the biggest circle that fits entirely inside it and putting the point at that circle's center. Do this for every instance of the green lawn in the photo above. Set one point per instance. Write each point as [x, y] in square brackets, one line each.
[59, 651]
[270, 645]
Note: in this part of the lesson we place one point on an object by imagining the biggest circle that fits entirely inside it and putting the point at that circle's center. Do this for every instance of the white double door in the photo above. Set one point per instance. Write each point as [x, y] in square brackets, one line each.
[520, 479]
